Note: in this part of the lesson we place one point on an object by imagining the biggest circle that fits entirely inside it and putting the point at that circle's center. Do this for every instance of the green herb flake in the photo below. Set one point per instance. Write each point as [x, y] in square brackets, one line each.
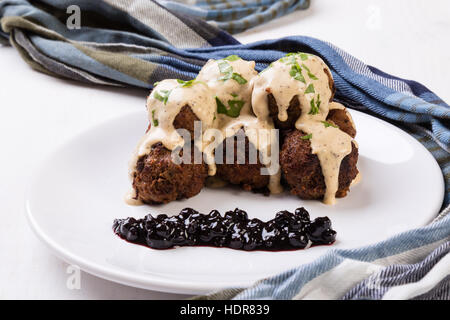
[310, 74]
[315, 105]
[186, 83]
[296, 73]
[155, 121]
[162, 95]
[328, 124]
[289, 59]
[234, 107]
[238, 78]
[221, 107]
[227, 70]
[234, 95]
[303, 56]
[156, 83]
[306, 137]
[225, 67]
[233, 57]
[310, 89]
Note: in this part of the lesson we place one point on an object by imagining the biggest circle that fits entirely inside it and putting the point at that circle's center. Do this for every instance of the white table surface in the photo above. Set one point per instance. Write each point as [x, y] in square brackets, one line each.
[407, 38]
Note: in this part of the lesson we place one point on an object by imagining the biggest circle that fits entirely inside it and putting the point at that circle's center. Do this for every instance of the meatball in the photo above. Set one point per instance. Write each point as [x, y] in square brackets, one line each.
[247, 175]
[293, 112]
[159, 180]
[185, 120]
[331, 84]
[342, 119]
[302, 172]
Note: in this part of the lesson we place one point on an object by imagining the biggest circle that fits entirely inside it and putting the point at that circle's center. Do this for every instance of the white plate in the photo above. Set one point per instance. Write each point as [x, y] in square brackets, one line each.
[78, 192]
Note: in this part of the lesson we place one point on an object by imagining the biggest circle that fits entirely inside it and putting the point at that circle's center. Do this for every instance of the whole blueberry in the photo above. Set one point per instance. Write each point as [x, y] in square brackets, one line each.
[161, 217]
[240, 215]
[132, 234]
[159, 242]
[186, 213]
[302, 214]
[298, 239]
[163, 230]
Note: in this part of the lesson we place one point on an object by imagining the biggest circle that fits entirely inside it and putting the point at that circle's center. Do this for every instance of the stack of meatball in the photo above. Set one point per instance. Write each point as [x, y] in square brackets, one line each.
[157, 179]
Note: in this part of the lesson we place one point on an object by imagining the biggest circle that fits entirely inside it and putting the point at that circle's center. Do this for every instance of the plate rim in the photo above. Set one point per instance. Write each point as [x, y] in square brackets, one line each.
[149, 281]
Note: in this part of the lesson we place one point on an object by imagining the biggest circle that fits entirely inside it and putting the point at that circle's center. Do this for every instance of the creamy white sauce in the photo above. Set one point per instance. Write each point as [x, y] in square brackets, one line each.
[163, 105]
[166, 100]
[252, 125]
[310, 84]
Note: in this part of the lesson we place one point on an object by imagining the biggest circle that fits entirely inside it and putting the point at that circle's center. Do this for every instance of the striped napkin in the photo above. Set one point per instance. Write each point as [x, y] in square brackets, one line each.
[235, 16]
[138, 42]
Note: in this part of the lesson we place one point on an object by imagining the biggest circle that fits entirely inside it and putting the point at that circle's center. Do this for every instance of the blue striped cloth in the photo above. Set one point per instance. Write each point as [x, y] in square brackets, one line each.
[139, 42]
[235, 16]
[412, 265]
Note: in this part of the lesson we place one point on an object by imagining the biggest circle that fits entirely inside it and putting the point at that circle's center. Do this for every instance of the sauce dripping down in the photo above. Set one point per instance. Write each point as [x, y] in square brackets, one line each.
[305, 77]
[234, 82]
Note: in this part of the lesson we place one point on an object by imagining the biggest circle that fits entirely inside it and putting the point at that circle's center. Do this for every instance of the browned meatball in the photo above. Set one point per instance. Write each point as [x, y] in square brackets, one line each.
[330, 83]
[159, 180]
[302, 172]
[341, 119]
[247, 175]
[185, 120]
[293, 112]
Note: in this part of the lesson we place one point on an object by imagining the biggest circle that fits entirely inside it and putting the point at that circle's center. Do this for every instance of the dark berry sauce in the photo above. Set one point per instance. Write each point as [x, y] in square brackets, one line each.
[235, 230]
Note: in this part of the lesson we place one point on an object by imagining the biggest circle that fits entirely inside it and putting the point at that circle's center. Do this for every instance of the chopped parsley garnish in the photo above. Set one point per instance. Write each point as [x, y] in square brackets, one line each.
[310, 74]
[289, 59]
[186, 83]
[225, 67]
[296, 73]
[221, 107]
[162, 95]
[227, 70]
[306, 137]
[155, 121]
[328, 124]
[315, 105]
[238, 78]
[310, 89]
[156, 83]
[234, 107]
[303, 56]
[233, 57]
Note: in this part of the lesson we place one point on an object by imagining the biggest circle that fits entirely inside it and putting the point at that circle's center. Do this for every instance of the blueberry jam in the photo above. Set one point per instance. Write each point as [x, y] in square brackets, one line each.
[235, 230]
